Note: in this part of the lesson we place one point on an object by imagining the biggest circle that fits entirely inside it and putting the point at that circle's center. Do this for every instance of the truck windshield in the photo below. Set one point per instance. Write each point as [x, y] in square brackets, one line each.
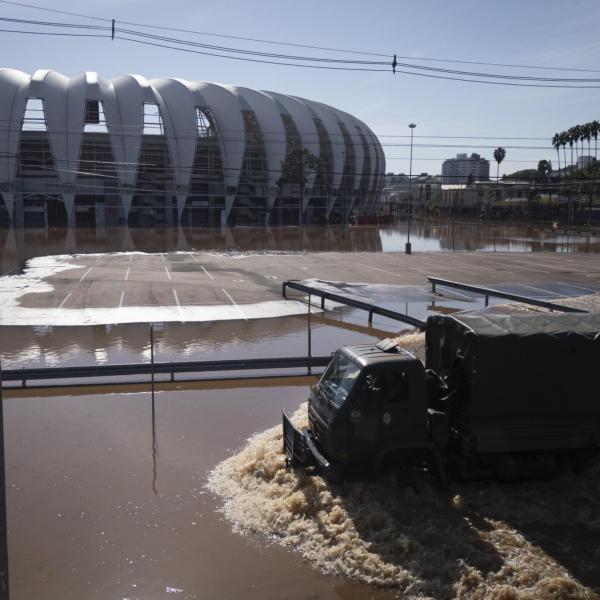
[339, 378]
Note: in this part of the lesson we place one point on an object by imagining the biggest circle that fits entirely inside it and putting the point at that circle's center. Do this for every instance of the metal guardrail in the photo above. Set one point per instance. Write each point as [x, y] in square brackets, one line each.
[171, 368]
[490, 292]
[370, 308]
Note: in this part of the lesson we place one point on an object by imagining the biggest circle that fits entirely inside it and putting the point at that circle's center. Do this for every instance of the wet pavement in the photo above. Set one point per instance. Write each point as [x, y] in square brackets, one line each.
[209, 286]
[121, 523]
[17, 246]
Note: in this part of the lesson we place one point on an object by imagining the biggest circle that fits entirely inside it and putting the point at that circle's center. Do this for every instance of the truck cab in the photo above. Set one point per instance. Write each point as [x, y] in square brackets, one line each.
[367, 409]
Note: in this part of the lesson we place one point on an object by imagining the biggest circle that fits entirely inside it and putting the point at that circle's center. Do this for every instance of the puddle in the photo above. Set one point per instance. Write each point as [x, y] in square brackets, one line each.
[17, 246]
[84, 521]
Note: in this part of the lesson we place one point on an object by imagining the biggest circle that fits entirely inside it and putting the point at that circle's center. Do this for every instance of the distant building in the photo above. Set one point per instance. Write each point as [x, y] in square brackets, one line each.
[585, 161]
[484, 196]
[465, 169]
[395, 196]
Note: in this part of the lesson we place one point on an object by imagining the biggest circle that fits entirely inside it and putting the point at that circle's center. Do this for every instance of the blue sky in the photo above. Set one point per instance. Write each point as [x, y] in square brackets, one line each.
[552, 33]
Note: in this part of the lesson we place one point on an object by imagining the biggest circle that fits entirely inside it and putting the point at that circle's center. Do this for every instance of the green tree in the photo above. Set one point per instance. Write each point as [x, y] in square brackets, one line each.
[295, 169]
[544, 168]
[499, 155]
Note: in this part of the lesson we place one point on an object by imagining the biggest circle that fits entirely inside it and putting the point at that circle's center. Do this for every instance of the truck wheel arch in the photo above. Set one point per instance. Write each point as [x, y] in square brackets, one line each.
[387, 457]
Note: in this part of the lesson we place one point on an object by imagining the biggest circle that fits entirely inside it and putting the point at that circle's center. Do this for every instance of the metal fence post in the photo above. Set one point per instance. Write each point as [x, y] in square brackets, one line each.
[309, 335]
[4, 591]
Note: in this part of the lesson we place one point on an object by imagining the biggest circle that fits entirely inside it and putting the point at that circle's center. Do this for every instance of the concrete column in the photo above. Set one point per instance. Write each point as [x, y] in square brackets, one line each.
[181, 200]
[229, 198]
[229, 241]
[169, 210]
[69, 202]
[305, 201]
[18, 211]
[126, 200]
[9, 202]
[330, 202]
[70, 241]
[100, 217]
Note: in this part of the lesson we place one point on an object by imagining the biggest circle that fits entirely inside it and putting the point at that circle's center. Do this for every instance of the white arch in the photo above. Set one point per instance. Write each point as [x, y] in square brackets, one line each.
[349, 122]
[306, 127]
[226, 110]
[337, 144]
[126, 123]
[273, 131]
[14, 91]
[178, 110]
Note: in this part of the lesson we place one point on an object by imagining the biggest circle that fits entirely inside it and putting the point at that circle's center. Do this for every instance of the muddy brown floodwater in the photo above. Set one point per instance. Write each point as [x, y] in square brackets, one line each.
[84, 521]
[18, 246]
[533, 540]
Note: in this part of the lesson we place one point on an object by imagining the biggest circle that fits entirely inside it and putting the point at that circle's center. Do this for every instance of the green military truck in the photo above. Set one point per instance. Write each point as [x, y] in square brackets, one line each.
[506, 396]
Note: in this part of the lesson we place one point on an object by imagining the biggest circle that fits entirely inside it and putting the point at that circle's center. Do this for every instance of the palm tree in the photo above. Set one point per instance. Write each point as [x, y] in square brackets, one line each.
[571, 139]
[586, 134]
[595, 130]
[499, 154]
[564, 140]
[556, 146]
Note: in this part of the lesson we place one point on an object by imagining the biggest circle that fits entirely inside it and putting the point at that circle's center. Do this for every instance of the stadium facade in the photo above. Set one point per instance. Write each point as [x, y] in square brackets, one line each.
[94, 152]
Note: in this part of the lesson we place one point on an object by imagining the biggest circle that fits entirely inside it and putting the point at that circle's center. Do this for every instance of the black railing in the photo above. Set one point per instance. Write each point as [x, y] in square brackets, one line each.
[372, 309]
[490, 292]
[169, 368]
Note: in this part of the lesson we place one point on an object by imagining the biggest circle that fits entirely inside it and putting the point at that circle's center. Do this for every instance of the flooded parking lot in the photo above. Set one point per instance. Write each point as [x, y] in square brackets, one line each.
[122, 503]
[91, 515]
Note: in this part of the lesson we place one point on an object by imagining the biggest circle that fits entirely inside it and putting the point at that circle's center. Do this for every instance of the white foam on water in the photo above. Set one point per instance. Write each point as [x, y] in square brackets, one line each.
[38, 270]
[477, 541]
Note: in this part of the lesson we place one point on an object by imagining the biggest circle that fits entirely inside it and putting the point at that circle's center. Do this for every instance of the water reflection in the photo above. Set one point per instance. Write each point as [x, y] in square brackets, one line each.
[490, 237]
[22, 347]
[18, 246]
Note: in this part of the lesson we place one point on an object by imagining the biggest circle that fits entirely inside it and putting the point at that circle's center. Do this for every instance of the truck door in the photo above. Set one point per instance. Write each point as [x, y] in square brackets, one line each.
[397, 412]
[363, 416]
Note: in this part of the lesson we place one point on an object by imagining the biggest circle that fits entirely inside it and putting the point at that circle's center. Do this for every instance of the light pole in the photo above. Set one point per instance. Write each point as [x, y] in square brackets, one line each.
[408, 247]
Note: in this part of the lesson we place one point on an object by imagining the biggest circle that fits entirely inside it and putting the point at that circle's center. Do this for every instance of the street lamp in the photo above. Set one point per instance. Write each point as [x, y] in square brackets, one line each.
[408, 247]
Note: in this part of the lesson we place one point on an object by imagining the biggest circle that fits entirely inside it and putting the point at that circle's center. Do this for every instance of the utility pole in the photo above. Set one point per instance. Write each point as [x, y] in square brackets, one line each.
[408, 247]
[4, 591]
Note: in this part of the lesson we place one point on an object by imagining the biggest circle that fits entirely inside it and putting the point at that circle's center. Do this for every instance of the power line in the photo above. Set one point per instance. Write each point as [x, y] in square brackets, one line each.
[418, 70]
[297, 45]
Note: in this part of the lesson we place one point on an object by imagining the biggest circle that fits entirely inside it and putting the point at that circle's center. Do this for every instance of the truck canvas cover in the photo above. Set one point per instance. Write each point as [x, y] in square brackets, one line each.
[521, 382]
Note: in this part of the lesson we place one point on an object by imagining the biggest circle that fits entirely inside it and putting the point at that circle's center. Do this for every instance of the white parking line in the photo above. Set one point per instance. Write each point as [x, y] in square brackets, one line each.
[63, 302]
[85, 274]
[206, 272]
[532, 287]
[233, 302]
[378, 269]
[178, 305]
[197, 261]
[167, 272]
[517, 266]
[127, 274]
[424, 272]
[578, 287]
[121, 298]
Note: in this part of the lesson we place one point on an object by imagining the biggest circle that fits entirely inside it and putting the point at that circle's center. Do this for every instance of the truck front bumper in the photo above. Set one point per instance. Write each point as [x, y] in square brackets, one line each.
[300, 448]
